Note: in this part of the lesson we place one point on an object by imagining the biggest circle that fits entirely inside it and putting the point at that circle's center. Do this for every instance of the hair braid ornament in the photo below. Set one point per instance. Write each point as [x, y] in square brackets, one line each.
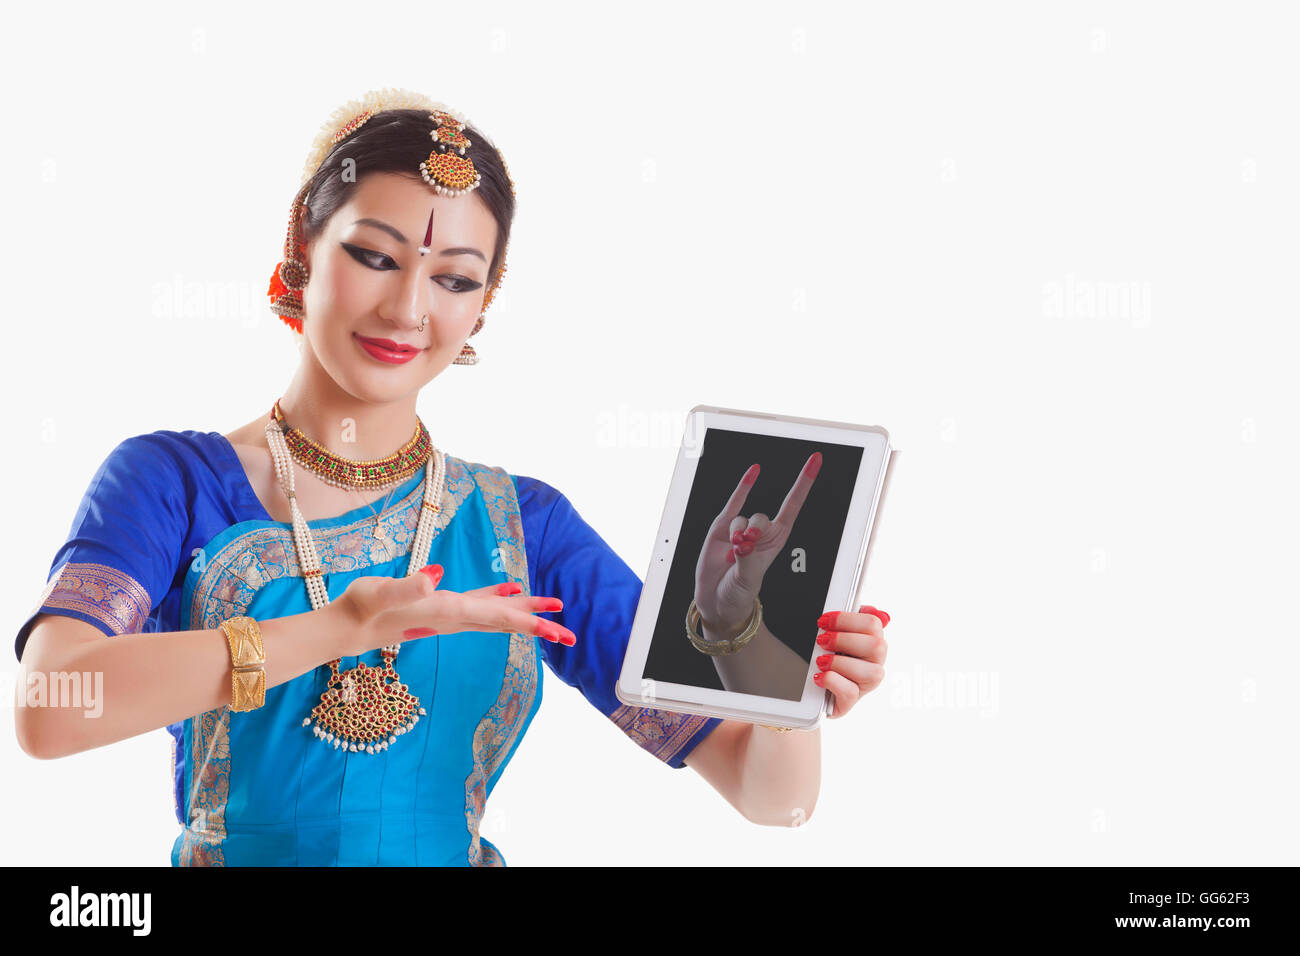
[448, 169]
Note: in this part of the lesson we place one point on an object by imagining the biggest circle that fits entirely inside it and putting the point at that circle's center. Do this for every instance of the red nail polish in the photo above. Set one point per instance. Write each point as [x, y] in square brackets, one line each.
[868, 609]
[827, 619]
[824, 661]
[508, 588]
[819, 677]
[731, 557]
[825, 639]
[814, 464]
[751, 476]
[411, 633]
[561, 634]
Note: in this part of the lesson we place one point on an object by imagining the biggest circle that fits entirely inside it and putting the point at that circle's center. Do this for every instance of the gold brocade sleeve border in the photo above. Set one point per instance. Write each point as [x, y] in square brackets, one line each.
[661, 732]
[112, 597]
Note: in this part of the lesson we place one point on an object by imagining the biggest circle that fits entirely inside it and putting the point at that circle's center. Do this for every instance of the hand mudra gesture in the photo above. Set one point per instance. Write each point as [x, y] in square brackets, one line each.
[384, 610]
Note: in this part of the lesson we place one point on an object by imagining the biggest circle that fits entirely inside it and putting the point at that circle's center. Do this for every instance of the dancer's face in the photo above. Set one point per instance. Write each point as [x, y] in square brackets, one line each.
[369, 281]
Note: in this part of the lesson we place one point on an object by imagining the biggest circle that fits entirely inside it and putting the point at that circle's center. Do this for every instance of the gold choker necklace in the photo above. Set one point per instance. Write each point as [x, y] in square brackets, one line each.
[349, 473]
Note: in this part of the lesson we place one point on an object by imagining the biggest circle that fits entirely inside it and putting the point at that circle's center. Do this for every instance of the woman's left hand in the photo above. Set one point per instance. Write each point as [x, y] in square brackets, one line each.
[852, 658]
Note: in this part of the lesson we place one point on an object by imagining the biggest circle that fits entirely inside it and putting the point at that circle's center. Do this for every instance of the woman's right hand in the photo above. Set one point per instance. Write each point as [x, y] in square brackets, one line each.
[381, 611]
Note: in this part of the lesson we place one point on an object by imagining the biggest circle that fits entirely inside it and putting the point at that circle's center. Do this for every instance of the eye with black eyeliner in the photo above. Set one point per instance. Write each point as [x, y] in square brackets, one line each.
[363, 256]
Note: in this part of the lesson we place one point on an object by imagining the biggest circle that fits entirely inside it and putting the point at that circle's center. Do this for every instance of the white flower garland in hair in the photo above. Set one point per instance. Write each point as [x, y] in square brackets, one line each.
[388, 98]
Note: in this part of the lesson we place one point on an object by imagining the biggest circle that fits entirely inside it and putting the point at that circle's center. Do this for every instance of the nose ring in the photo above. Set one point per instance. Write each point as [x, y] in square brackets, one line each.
[420, 327]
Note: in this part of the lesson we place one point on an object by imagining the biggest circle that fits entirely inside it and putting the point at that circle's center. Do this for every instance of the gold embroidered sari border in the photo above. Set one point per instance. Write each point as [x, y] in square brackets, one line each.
[499, 728]
[661, 732]
[99, 591]
[246, 563]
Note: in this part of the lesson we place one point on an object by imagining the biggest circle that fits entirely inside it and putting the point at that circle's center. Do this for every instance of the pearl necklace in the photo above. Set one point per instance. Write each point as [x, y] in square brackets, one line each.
[364, 709]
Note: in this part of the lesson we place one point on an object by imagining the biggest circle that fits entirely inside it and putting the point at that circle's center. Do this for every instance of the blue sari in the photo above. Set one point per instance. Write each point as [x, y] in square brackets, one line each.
[170, 536]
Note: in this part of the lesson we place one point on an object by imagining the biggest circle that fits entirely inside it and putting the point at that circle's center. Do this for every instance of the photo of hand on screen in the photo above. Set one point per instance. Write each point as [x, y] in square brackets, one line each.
[725, 619]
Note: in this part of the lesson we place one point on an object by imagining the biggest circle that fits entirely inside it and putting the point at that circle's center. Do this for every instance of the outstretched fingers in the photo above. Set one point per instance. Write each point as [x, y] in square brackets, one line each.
[538, 605]
[737, 500]
[798, 493]
[482, 609]
[514, 617]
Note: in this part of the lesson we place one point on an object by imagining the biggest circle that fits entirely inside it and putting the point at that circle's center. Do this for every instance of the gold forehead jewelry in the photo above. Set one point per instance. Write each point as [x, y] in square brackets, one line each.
[448, 170]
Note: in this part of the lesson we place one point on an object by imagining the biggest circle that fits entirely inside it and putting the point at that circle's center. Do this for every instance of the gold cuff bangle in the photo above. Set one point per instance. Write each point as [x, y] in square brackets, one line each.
[247, 663]
[715, 647]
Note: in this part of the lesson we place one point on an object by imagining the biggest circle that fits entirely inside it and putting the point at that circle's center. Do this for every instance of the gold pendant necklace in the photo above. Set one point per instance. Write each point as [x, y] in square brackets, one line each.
[363, 709]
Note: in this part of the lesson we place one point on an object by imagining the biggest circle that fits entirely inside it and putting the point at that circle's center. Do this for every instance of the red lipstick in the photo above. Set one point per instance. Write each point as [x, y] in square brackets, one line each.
[386, 350]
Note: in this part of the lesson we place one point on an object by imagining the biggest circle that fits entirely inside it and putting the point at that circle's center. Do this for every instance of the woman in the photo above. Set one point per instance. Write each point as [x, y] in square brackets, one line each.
[264, 586]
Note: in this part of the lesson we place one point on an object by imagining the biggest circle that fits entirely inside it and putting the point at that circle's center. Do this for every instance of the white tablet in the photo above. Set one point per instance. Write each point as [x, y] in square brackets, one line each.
[767, 526]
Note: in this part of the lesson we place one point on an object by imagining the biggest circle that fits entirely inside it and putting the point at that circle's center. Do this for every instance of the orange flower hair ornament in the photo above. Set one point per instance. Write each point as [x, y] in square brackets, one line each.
[447, 169]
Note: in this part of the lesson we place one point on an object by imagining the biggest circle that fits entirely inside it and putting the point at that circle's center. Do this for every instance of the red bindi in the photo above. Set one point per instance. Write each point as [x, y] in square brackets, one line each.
[428, 235]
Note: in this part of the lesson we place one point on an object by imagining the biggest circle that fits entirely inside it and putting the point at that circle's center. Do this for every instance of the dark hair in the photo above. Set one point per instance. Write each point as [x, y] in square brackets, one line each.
[396, 141]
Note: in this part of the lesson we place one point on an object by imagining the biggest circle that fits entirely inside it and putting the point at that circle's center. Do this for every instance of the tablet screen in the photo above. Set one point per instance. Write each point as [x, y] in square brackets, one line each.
[789, 567]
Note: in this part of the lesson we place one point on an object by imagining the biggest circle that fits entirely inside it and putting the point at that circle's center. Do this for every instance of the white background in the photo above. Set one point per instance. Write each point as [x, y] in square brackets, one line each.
[1050, 247]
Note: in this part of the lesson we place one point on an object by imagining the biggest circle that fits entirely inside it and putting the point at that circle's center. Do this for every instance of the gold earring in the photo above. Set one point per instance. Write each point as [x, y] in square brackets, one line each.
[467, 354]
[291, 274]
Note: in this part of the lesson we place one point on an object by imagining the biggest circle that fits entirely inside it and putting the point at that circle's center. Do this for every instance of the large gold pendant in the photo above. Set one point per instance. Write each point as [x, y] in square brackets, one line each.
[364, 709]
